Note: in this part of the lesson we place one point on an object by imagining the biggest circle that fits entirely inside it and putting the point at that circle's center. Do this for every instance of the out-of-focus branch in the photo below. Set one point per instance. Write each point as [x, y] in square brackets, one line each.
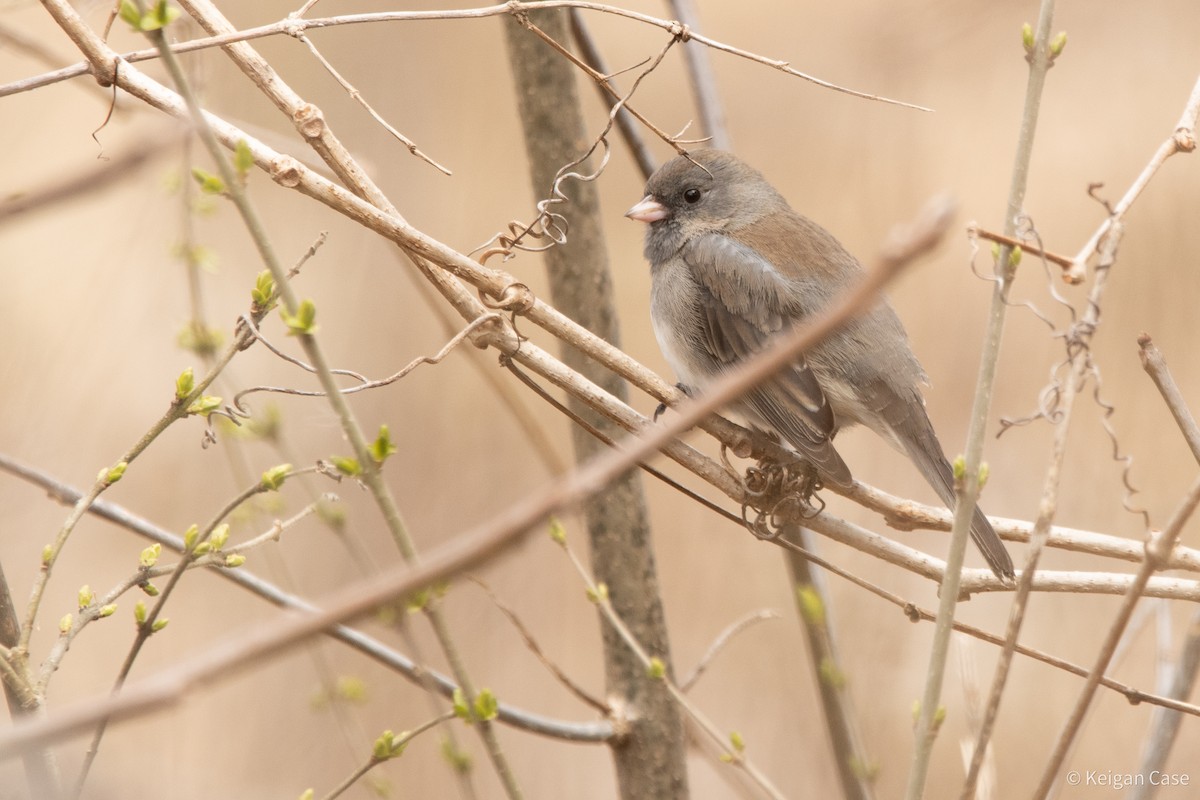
[1164, 722]
[651, 760]
[1040, 59]
[702, 81]
[1182, 140]
[853, 762]
[364, 644]
[1157, 547]
[82, 183]
[1156, 367]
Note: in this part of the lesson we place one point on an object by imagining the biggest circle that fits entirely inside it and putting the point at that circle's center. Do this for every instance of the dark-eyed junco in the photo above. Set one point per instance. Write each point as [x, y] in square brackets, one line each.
[731, 265]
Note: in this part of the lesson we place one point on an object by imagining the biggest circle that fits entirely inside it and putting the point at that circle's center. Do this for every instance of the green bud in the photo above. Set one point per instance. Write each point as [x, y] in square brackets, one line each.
[203, 406]
[159, 17]
[130, 14]
[459, 760]
[381, 750]
[558, 531]
[266, 423]
[346, 465]
[399, 744]
[331, 514]
[984, 472]
[263, 293]
[351, 688]
[739, 744]
[867, 770]
[657, 670]
[303, 322]
[234, 560]
[418, 600]
[64, 624]
[184, 384]
[202, 549]
[108, 610]
[159, 624]
[113, 474]
[139, 613]
[382, 447]
[831, 675]
[219, 536]
[487, 707]
[199, 340]
[190, 536]
[812, 607]
[86, 596]
[307, 795]
[209, 183]
[47, 555]
[149, 589]
[1027, 37]
[273, 478]
[1014, 256]
[243, 159]
[960, 468]
[939, 717]
[598, 594]
[1057, 44]
[149, 556]
[461, 709]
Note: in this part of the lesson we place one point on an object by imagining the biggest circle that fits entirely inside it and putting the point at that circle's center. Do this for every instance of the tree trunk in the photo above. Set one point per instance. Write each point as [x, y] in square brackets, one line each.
[650, 762]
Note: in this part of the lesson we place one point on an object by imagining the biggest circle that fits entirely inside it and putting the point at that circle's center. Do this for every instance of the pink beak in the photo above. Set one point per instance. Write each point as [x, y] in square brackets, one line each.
[648, 210]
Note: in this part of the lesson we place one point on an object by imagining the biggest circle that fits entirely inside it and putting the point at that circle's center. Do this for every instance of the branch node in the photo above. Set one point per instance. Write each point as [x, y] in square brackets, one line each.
[309, 121]
[287, 172]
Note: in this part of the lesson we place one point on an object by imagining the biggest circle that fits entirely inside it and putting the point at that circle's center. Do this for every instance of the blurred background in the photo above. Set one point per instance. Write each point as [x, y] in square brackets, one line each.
[94, 296]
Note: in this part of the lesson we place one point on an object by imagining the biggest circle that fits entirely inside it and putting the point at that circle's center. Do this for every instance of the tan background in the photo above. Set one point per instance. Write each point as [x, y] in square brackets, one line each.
[92, 298]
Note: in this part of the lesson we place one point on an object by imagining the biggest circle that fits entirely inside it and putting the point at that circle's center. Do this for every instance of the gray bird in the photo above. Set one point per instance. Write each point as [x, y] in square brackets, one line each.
[731, 265]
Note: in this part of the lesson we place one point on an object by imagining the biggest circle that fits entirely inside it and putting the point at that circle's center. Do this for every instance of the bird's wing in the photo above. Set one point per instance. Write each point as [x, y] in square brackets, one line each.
[743, 303]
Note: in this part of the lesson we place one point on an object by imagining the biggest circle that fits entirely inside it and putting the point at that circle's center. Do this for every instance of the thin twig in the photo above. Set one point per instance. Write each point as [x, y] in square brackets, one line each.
[723, 638]
[1014, 243]
[1083, 330]
[397, 744]
[590, 53]
[1157, 547]
[702, 81]
[356, 95]
[1182, 140]
[532, 645]
[732, 756]
[293, 26]
[1156, 367]
[968, 493]
[364, 382]
[371, 648]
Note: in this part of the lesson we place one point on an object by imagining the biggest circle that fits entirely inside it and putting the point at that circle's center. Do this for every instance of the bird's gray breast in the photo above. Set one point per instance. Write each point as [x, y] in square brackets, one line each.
[676, 315]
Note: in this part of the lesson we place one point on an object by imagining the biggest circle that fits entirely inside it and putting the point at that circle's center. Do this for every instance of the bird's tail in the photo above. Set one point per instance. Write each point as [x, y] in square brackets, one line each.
[926, 452]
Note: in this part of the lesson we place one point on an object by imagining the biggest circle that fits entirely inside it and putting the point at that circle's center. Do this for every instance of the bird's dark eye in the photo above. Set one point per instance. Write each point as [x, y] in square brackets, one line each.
[692, 195]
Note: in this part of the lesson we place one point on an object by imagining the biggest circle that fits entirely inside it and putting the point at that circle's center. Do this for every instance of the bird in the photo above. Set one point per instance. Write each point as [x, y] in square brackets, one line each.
[731, 266]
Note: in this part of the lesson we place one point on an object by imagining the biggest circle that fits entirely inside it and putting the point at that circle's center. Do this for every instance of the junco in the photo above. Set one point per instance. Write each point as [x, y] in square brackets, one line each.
[732, 264]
